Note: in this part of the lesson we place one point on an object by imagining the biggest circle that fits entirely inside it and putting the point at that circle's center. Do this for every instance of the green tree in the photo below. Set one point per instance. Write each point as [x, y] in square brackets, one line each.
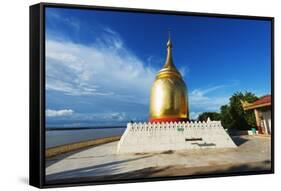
[233, 115]
[226, 118]
[214, 116]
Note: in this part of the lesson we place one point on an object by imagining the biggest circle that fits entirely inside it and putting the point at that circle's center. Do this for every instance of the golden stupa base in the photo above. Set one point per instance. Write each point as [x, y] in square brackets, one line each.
[167, 119]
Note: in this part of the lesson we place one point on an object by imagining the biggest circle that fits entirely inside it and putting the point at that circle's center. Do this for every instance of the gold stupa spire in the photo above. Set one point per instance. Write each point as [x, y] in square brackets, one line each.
[169, 60]
[168, 98]
[169, 69]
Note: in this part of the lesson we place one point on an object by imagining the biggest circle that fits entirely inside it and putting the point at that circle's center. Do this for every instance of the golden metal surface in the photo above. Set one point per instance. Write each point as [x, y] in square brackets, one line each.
[168, 97]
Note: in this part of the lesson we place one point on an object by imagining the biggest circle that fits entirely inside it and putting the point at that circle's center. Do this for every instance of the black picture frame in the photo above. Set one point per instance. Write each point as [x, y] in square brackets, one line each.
[37, 94]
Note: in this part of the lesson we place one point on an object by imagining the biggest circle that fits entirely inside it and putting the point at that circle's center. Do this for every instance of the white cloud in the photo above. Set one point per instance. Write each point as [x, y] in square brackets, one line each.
[117, 116]
[88, 119]
[184, 70]
[200, 100]
[109, 116]
[194, 115]
[59, 113]
[69, 21]
[103, 68]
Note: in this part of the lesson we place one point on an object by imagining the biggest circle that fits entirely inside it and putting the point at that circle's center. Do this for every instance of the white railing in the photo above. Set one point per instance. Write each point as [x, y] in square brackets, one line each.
[147, 126]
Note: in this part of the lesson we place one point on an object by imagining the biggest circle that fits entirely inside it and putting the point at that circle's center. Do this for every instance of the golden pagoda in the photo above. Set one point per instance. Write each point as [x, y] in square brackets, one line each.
[168, 98]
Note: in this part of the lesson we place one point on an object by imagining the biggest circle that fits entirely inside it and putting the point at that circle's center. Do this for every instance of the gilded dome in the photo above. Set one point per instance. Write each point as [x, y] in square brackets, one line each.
[168, 97]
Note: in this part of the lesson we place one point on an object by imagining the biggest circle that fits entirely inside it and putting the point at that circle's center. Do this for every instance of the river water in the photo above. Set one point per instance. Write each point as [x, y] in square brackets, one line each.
[61, 137]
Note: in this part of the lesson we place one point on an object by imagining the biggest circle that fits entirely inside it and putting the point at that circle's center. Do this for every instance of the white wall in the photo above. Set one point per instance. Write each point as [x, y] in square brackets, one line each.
[156, 137]
[266, 115]
[14, 92]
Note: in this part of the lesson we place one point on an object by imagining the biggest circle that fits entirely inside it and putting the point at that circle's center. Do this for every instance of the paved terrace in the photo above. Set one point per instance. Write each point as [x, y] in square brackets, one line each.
[95, 163]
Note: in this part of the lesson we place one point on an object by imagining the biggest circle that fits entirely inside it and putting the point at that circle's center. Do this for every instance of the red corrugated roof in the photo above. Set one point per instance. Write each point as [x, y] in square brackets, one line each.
[262, 100]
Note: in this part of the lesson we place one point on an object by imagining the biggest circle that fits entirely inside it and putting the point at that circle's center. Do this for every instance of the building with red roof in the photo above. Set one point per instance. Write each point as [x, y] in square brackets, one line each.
[262, 110]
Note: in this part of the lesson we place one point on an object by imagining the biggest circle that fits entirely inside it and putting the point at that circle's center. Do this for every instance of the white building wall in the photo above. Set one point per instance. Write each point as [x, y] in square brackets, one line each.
[155, 137]
[266, 121]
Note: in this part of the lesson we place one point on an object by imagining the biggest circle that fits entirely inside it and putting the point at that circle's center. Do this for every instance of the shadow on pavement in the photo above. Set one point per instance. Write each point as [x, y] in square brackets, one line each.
[168, 171]
[106, 168]
[239, 140]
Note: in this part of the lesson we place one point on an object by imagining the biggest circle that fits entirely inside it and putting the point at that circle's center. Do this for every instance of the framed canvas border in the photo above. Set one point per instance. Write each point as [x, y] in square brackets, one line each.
[37, 94]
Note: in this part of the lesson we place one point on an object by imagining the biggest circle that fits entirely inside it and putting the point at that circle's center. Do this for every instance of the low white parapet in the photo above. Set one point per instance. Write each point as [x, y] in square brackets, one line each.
[157, 137]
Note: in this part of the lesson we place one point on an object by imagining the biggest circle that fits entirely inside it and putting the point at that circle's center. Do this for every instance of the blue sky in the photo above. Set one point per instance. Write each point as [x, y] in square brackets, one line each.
[100, 65]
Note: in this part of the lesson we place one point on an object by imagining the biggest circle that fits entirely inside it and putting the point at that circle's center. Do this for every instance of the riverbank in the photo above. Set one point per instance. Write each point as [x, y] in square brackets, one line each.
[82, 128]
[67, 136]
[58, 150]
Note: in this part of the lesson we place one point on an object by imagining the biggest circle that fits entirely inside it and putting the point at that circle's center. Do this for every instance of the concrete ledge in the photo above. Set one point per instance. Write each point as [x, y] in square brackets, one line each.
[54, 151]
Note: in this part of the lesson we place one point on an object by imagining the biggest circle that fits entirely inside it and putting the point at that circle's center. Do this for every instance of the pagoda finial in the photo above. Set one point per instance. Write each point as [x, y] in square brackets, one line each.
[169, 43]
[169, 59]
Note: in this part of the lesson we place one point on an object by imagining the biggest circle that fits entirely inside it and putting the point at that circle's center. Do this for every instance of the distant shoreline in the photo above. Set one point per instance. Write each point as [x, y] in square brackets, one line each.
[82, 128]
[62, 149]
